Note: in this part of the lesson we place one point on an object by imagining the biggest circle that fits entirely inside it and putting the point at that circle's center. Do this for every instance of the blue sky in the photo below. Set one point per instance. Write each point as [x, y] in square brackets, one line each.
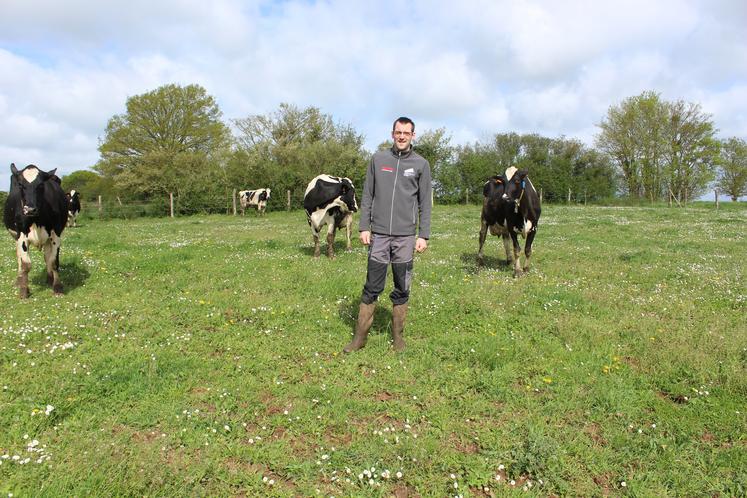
[484, 67]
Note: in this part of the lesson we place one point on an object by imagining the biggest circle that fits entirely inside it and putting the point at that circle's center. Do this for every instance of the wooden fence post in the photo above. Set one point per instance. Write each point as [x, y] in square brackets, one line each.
[288, 201]
[233, 200]
[569, 195]
[540, 195]
[171, 203]
[99, 205]
[715, 192]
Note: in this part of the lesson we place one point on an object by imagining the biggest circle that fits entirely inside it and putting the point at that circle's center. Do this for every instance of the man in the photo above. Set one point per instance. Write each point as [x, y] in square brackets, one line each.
[397, 191]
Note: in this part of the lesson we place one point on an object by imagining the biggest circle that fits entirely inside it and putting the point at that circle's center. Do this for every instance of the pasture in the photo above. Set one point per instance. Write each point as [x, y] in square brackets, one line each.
[200, 356]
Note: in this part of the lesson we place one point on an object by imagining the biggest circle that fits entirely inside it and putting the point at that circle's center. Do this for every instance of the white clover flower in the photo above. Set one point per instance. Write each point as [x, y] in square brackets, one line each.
[623, 484]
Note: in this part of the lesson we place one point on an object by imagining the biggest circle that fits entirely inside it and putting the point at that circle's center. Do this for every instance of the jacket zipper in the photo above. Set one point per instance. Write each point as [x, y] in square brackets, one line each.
[394, 189]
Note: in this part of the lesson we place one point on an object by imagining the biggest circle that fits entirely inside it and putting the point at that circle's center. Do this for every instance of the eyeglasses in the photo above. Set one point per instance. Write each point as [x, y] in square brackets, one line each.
[402, 133]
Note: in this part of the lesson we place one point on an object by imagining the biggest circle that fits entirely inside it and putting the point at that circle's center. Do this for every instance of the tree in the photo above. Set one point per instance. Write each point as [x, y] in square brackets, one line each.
[89, 184]
[732, 162]
[435, 147]
[659, 146]
[164, 135]
[690, 151]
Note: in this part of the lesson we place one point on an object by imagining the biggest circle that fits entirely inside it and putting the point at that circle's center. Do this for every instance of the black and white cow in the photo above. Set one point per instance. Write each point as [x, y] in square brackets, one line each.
[493, 216]
[523, 213]
[254, 198]
[330, 200]
[35, 214]
[73, 207]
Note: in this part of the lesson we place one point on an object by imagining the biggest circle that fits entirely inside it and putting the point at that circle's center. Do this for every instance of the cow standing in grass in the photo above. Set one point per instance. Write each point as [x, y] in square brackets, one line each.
[330, 201]
[494, 215]
[73, 207]
[36, 214]
[522, 215]
[254, 198]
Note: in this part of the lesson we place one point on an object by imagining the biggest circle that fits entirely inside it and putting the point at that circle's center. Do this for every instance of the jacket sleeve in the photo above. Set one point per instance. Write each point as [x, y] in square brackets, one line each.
[425, 202]
[367, 199]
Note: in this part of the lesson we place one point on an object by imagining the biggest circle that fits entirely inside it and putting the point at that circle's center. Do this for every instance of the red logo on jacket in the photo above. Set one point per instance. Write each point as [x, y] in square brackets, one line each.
[388, 169]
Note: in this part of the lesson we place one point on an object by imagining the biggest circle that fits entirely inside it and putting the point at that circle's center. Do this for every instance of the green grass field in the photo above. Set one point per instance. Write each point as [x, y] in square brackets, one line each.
[200, 356]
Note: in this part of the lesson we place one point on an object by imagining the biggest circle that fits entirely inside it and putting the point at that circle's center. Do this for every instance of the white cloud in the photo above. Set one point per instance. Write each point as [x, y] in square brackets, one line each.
[481, 67]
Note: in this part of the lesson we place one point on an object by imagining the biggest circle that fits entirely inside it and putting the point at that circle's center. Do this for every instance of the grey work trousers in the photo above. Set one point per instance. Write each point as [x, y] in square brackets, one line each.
[383, 251]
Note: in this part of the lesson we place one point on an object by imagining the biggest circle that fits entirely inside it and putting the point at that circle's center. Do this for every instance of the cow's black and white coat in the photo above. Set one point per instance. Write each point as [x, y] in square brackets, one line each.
[36, 214]
[493, 215]
[330, 200]
[254, 198]
[522, 214]
[73, 207]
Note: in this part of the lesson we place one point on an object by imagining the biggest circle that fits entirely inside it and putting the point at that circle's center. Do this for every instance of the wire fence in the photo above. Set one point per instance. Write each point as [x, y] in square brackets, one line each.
[172, 205]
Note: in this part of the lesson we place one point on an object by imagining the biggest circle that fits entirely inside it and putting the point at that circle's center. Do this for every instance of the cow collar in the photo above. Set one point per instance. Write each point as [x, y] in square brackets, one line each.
[521, 196]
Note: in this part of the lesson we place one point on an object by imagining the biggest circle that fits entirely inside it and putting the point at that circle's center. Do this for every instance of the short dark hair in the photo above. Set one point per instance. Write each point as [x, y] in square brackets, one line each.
[404, 120]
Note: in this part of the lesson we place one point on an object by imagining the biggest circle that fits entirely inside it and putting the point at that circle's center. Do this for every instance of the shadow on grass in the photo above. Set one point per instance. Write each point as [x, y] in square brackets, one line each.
[469, 262]
[348, 313]
[340, 248]
[72, 275]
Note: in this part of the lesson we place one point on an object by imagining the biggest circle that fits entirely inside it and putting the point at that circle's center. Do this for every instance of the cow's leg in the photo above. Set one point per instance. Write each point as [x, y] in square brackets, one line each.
[24, 266]
[528, 248]
[507, 247]
[483, 234]
[517, 254]
[52, 258]
[331, 240]
[348, 230]
[315, 235]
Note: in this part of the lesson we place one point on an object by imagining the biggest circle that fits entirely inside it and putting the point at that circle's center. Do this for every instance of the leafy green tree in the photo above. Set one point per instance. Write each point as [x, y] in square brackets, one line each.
[169, 140]
[659, 146]
[732, 161]
[88, 184]
[691, 150]
[435, 147]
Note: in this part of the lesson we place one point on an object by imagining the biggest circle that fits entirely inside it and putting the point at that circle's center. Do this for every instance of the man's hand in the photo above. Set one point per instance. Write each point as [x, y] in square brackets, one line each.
[365, 237]
[420, 245]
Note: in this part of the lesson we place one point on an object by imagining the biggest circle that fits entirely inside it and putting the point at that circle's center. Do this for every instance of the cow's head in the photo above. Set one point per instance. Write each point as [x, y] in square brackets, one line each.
[347, 194]
[515, 187]
[30, 182]
[264, 194]
[494, 188]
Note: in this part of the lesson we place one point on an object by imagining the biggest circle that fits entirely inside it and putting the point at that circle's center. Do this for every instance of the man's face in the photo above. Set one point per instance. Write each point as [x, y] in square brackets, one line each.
[402, 135]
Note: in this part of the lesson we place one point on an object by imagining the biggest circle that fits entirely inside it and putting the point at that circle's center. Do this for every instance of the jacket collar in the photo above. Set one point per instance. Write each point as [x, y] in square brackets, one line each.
[405, 153]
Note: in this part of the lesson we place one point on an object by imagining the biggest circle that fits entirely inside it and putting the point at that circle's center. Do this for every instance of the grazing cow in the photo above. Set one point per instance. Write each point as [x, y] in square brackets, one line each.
[73, 207]
[254, 198]
[330, 201]
[494, 214]
[35, 214]
[522, 215]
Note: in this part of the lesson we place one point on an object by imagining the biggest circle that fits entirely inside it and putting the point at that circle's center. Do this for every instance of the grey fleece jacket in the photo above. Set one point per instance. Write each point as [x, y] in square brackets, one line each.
[396, 191]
